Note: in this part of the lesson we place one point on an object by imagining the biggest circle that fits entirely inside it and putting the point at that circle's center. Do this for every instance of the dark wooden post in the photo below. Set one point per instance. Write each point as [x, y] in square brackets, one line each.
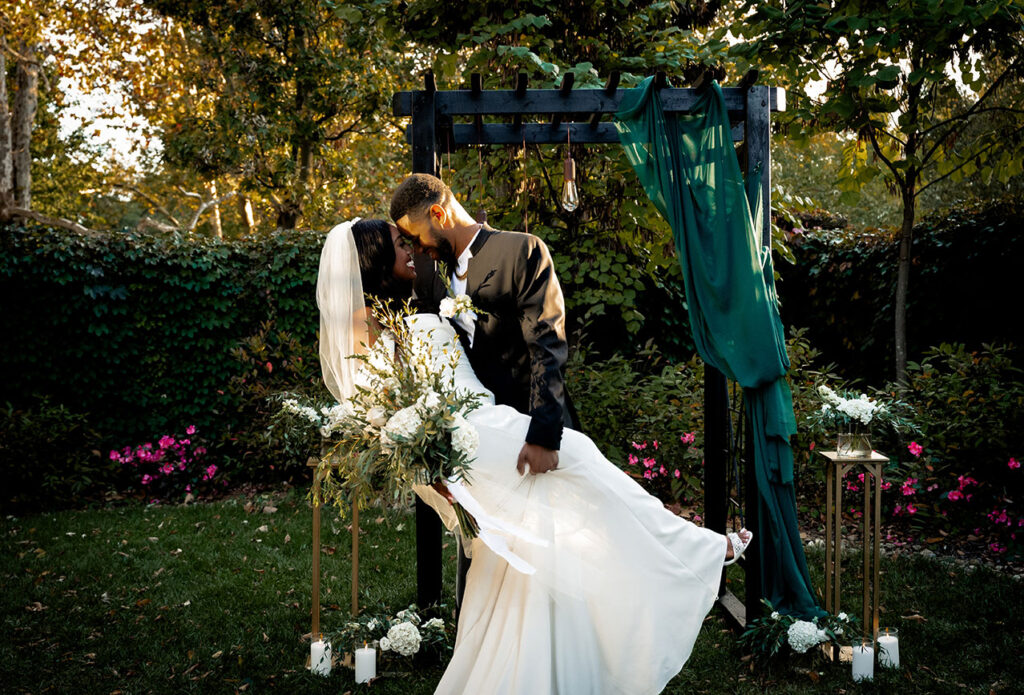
[428, 525]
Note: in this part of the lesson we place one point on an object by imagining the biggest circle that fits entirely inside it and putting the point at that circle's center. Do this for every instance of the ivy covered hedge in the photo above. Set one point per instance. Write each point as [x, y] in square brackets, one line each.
[964, 287]
[135, 332]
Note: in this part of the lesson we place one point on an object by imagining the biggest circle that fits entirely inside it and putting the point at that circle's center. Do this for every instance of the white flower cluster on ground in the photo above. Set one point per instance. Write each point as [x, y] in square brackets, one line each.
[465, 438]
[804, 634]
[403, 638]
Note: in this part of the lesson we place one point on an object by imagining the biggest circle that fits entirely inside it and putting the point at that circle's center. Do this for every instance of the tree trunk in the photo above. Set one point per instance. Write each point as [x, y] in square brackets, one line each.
[902, 281]
[218, 230]
[25, 102]
[245, 212]
[6, 165]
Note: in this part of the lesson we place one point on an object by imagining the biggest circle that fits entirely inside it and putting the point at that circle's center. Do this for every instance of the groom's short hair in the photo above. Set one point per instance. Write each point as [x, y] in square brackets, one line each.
[416, 194]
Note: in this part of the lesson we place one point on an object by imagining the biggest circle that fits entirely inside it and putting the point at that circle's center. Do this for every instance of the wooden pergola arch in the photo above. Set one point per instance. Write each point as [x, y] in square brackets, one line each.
[443, 120]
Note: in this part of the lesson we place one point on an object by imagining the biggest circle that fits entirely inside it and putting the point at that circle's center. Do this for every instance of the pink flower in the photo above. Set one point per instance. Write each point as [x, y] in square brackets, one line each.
[269, 367]
[663, 471]
[955, 495]
[188, 488]
[181, 466]
[210, 470]
[1013, 463]
[908, 487]
[696, 518]
[915, 448]
[147, 479]
[647, 475]
[897, 510]
[632, 460]
[687, 438]
[911, 509]
[114, 455]
[191, 429]
[167, 468]
[676, 473]
[166, 441]
[812, 446]
[997, 548]
[649, 463]
[655, 443]
[886, 485]
[200, 450]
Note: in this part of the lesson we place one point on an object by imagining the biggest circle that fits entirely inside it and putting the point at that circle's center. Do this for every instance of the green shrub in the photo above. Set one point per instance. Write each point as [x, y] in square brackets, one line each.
[50, 455]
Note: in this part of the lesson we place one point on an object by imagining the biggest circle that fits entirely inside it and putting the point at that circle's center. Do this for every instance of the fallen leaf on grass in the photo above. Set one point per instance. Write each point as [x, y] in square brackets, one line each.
[35, 607]
[217, 654]
[263, 529]
[915, 616]
[287, 538]
[269, 509]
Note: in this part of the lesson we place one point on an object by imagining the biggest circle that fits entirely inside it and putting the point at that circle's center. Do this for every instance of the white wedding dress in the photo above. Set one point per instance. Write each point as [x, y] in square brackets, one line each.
[620, 585]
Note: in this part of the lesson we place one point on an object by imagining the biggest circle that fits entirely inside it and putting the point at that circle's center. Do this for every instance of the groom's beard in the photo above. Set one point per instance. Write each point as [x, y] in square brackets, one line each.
[443, 252]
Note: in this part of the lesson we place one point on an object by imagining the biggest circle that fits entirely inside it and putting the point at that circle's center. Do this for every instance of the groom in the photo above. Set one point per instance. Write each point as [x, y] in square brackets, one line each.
[517, 347]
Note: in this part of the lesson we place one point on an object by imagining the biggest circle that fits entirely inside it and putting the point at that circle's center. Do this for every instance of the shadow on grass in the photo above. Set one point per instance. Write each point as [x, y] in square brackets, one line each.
[200, 599]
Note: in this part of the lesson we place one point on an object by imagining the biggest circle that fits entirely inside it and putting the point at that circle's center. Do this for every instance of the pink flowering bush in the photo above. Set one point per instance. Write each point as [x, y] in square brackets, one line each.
[170, 469]
[671, 469]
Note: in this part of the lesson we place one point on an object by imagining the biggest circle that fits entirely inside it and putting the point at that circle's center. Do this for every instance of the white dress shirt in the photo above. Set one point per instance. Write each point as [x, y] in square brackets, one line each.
[467, 319]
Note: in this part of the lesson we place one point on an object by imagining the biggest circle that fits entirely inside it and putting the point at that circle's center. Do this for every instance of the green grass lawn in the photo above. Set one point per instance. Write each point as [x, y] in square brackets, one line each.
[199, 599]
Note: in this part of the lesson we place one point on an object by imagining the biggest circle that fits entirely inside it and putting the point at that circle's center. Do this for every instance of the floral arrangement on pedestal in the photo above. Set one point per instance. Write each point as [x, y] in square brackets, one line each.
[406, 635]
[851, 417]
[774, 633]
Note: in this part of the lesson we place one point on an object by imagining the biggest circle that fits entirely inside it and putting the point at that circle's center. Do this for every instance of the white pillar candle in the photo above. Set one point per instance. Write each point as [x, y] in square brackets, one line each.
[889, 648]
[320, 657]
[863, 662]
[366, 664]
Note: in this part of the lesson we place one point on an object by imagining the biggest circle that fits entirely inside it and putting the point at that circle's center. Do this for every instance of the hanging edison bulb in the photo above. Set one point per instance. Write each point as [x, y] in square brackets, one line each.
[570, 196]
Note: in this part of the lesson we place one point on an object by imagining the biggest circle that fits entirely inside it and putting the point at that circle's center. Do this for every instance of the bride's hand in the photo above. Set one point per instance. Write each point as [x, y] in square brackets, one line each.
[443, 490]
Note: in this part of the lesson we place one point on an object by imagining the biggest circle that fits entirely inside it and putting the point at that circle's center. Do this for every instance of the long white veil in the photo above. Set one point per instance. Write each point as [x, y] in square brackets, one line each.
[339, 294]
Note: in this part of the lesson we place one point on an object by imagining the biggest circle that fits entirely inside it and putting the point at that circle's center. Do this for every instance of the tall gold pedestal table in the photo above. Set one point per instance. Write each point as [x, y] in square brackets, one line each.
[836, 468]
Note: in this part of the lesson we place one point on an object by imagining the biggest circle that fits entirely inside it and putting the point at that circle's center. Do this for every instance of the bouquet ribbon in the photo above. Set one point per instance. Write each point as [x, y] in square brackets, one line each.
[494, 532]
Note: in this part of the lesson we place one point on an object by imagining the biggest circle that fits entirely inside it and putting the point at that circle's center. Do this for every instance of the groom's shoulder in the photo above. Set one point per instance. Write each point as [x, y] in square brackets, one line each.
[508, 241]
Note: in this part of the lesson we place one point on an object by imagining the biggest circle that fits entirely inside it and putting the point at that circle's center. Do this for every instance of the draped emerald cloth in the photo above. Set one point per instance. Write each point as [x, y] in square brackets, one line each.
[688, 166]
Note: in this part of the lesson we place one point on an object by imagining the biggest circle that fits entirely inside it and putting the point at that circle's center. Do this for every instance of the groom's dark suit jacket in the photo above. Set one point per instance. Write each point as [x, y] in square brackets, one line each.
[519, 345]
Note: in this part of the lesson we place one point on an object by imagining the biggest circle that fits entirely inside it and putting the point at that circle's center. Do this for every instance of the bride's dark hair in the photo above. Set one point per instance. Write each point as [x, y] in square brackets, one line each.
[377, 261]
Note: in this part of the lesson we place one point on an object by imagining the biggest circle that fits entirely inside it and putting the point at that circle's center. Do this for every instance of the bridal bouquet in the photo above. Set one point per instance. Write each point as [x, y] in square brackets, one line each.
[405, 425]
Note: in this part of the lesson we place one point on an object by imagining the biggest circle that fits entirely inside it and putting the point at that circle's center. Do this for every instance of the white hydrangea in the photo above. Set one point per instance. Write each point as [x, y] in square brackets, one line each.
[428, 402]
[292, 406]
[401, 426]
[804, 634]
[829, 396]
[403, 638]
[335, 417]
[465, 438]
[434, 624]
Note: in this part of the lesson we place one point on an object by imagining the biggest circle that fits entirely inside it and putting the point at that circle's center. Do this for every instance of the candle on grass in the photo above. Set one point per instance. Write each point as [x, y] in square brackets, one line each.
[320, 657]
[863, 662]
[889, 648]
[366, 663]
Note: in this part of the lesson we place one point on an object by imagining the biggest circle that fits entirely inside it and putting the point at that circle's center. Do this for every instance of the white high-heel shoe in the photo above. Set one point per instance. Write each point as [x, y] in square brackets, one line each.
[738, 545]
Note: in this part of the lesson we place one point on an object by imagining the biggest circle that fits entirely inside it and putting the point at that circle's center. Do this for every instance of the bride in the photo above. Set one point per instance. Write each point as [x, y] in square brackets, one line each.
[607, 590]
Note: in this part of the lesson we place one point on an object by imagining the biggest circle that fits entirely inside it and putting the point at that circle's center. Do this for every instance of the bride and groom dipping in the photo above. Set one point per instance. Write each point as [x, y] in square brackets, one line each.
[618, 586]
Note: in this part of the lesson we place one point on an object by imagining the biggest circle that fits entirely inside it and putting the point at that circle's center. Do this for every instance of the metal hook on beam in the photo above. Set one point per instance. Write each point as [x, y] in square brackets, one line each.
[429, 84]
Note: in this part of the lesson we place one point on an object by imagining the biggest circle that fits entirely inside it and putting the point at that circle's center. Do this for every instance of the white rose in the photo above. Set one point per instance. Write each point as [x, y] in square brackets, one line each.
[775, 615]
[384, 644]
[377, 416]
[447, 308]
[842, 616]
[434, 623]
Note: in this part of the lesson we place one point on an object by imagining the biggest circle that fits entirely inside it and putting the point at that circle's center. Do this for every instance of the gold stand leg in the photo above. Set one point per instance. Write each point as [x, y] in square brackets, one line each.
[316, 554]
[355, 560]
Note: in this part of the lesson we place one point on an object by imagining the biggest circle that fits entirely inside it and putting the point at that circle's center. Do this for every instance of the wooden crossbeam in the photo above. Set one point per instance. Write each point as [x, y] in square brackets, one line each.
[505, 102]
[462, 134]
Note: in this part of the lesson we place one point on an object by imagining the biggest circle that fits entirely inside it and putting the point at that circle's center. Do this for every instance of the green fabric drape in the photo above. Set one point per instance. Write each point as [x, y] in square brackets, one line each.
[688, 166]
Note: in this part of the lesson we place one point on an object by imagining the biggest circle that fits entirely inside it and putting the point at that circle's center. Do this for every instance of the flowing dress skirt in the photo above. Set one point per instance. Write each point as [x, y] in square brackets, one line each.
[620, 590]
